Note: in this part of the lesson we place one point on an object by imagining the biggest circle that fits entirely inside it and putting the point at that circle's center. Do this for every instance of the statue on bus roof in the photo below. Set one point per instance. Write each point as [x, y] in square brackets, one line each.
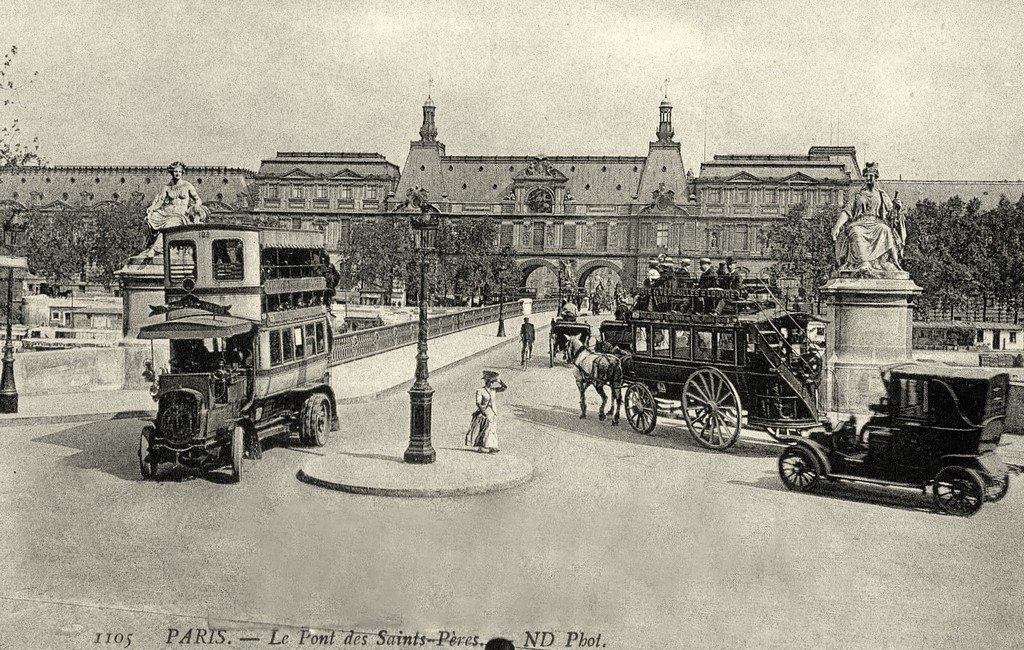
[178, 203]
[870, 233]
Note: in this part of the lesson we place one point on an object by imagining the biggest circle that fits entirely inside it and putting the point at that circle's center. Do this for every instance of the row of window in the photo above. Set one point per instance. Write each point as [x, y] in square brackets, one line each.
[771, 195]
[684, 343]
[319, 191]
[229, 258]
[296, 342]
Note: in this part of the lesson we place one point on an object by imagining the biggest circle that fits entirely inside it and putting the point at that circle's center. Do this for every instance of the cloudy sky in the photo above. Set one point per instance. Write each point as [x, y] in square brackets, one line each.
[929, 89]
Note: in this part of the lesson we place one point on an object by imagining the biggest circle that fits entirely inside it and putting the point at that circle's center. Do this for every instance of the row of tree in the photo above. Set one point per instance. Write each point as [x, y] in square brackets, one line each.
[955, 250]
[466, 261]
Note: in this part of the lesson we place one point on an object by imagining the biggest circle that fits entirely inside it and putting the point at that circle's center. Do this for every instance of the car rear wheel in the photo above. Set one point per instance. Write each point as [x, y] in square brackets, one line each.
[958, 491]
[237, 452]
[799, 469]
[147, 466]
[316, 421]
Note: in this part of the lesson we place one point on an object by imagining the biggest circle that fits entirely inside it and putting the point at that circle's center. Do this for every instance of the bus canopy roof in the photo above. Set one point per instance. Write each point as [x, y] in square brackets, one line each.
[202, 326]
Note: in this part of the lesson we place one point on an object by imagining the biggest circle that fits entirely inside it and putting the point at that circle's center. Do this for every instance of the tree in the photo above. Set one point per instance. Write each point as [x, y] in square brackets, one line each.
[382, 252]
[115, 232]
[13, 151]
[801, 245]
[57, 245]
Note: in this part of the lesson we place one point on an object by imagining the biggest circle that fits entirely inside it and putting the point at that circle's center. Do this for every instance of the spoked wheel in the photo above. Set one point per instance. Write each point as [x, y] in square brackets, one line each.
[147, 466]
[799, 469]
[641, 409]
[959, 491]
[783, 434]
[1002, 487]
[712, 409]
[237, 451]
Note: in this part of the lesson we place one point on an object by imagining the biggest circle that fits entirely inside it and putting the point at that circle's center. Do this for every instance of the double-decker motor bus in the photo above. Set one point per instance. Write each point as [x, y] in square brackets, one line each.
[247, 316]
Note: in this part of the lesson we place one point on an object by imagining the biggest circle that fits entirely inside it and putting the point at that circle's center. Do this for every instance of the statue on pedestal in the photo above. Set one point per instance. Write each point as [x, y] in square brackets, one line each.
[176, 204]
[870, 232]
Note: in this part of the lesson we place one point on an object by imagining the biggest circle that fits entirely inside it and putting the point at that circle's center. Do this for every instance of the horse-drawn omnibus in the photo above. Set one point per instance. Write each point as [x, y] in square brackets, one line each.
[714, 357]
[566, 323]
[246, 314]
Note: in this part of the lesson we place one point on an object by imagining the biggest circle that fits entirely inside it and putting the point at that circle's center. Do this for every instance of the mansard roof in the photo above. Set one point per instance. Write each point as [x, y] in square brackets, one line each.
[777, 168]
[587, 179]
[988, 192]
[328, 164]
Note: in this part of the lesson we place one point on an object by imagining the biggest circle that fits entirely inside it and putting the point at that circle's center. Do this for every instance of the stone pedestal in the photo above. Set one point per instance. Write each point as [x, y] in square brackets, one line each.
[870, 326]
[142, 285]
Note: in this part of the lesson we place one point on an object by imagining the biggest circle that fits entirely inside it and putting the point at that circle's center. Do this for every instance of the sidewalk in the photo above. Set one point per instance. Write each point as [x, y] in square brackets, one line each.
[359, 381]
[371, 378]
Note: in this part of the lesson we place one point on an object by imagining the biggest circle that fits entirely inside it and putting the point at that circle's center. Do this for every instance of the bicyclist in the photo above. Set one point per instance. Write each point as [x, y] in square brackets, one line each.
[527, 336]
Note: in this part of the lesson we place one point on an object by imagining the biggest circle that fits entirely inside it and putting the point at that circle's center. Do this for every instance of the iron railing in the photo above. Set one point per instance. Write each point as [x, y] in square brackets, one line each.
[364, 343]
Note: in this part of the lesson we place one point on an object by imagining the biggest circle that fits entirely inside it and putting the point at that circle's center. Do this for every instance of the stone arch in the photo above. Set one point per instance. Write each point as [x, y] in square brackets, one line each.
[583, 273]
[531, 265]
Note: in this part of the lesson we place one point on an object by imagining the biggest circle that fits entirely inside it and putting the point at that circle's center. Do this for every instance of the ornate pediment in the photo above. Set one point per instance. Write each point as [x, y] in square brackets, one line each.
[346, 174]
[297, 173]
[664, 202]
[799, 178]
[743, 177]
[416, 200]
[538, 168]
[57, 206]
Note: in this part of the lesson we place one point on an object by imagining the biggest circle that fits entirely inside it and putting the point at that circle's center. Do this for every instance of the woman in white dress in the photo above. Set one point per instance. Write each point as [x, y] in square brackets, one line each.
[483, 428]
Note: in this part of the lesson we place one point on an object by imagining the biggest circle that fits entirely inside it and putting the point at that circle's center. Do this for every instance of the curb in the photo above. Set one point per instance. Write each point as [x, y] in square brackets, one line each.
[388, 392]
[417, 492]
[34, 420]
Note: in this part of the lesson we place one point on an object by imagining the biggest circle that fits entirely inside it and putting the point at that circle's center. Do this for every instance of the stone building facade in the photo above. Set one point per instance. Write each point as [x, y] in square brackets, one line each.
[323, 189]
[587, 212]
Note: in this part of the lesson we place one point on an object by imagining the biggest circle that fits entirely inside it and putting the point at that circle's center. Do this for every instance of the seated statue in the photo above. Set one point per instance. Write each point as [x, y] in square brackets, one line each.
[176, 204]
[870, 232]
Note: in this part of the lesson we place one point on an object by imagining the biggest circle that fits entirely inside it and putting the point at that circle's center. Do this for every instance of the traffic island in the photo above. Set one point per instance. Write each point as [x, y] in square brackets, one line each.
[456, 472]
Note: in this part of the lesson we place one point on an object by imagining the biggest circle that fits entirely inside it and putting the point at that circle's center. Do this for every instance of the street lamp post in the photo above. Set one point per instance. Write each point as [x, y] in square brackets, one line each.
[420, 451]
[8, 389]
[501, 300]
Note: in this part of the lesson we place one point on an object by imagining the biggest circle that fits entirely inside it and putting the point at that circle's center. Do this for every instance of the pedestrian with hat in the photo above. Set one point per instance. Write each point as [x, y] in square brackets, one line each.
[483, 427]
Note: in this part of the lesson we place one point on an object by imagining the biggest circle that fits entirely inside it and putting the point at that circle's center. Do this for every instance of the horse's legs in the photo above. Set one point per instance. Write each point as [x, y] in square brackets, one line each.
[604, 400]
[582, 385]
[616, 402]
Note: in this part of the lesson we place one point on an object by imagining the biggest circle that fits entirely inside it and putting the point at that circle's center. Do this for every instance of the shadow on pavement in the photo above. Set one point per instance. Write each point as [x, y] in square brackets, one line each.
[894, 497]
[111, 447]
[669, 437]
[394, 459]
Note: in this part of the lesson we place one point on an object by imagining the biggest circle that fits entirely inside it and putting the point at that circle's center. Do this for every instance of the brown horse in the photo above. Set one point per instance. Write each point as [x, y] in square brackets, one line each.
[597, 370]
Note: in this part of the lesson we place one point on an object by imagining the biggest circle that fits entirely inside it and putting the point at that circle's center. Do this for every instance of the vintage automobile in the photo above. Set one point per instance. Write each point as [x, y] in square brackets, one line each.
[246, 317]
[936, 425]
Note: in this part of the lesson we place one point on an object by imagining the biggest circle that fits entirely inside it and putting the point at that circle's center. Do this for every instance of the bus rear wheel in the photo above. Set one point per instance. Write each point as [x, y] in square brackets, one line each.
[315, 424]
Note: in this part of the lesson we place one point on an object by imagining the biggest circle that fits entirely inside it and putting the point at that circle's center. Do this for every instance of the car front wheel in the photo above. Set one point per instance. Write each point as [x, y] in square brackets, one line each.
[958, 491]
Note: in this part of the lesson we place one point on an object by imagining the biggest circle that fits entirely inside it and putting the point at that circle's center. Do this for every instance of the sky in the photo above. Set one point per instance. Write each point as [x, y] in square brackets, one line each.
[929, 90]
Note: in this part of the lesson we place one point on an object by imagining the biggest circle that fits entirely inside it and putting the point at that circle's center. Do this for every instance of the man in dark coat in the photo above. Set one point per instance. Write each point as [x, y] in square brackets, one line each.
[527, 335]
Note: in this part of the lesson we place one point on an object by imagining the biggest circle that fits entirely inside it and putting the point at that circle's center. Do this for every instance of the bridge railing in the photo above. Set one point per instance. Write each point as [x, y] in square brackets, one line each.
[367, 342]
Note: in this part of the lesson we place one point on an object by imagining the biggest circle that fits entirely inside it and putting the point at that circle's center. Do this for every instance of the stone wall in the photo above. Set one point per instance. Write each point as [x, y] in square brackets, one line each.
[74, 371]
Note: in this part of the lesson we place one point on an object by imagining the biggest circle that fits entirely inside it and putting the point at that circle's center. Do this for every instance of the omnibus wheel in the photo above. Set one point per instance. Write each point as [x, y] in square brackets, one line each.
[237, 451]
[799, 469]
[641, 409]
[712, 409]
[147, 465]
[315, 424]
[958, 491]
[1002, 487]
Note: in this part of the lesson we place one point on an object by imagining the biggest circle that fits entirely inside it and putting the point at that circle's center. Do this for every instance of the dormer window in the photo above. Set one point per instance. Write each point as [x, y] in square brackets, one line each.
[539, 201]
